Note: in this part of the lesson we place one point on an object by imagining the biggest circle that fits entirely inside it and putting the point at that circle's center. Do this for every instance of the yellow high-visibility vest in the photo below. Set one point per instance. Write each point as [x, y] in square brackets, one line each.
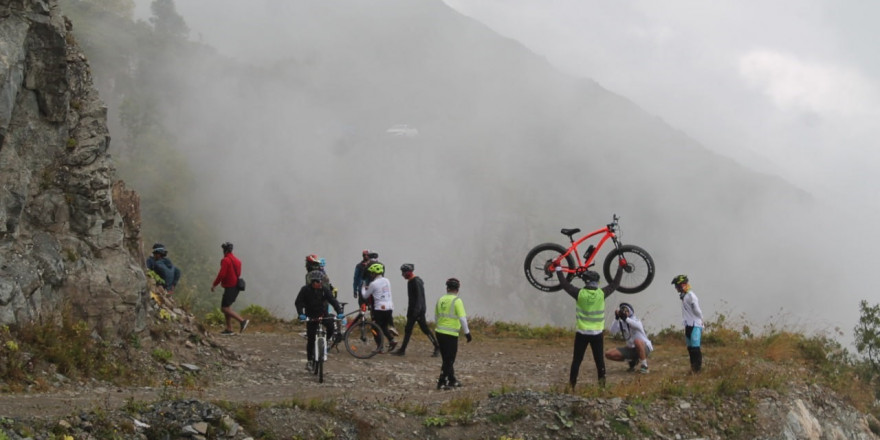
[447, 313]
[591, 310]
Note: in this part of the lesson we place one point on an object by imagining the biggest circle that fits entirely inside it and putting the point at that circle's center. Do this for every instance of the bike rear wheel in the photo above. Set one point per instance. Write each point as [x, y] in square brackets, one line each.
[639, 270]
[537, 266]
[363, 339]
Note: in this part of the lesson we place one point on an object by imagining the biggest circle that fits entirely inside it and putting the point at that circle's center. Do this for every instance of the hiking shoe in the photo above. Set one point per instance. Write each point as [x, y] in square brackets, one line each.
[391, 345]
[454, 383]
[244, 325]
[310, 365]
[441, 384]
[632, 367]
[399, 353]
[227, 332]
[644, 369]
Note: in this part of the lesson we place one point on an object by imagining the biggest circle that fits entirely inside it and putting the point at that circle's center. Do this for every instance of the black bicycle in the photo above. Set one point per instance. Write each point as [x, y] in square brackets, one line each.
[362, 337]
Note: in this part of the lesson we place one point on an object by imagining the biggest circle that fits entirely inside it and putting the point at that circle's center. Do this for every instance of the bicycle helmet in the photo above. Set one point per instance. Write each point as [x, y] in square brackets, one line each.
[376, 268]
[315, 275]
[590, 276]
[227, 247]
[453, 284]
[323, 262]
[407, 267]
[680, 279]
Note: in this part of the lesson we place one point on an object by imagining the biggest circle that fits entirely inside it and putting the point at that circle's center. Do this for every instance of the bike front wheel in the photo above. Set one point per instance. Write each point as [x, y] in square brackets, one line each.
[638, 272]
[319, 360]
[363, 340]
[537, 266]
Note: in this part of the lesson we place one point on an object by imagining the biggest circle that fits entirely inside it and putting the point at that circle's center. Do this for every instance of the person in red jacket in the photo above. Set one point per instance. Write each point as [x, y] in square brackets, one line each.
[230, 271]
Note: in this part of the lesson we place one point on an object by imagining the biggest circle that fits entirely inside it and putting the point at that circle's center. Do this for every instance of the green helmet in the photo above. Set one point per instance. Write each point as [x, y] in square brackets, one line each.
[376, 268]
[680, 279]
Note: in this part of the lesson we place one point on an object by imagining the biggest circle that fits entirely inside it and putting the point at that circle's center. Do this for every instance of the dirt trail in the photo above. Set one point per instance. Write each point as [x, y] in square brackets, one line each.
[270, 367]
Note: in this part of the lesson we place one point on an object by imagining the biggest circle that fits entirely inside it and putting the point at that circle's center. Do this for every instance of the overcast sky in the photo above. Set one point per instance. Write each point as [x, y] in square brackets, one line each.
[789, 87]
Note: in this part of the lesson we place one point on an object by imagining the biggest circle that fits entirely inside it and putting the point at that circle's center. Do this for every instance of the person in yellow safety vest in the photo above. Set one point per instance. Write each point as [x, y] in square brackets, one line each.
[451, 319]
[590, 319]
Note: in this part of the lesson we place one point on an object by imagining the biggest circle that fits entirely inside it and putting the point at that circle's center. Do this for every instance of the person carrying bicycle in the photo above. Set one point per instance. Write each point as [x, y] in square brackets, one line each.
[415, 311]
[311, 303]
[692, 317]
[638, 346]
[379, 290]
[590, 308]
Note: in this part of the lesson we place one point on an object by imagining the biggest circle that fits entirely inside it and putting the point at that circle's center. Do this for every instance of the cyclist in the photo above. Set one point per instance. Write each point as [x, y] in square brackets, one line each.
[379, 290]
[311, 302]
[590, 319]
[415, 311]
[638, 346]
[692, 317]
[451, 319]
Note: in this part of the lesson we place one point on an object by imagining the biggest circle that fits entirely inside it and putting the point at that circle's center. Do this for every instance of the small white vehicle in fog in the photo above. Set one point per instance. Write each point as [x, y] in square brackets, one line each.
[402, 130]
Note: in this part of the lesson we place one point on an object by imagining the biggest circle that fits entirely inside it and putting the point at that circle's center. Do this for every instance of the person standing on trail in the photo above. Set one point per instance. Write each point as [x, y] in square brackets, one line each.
[379, 290]
[638, 346]
[416, 309]
[311, 303]
[590, 319]
[360, 273]
[230, 271]
[692, 318]
[451, 320]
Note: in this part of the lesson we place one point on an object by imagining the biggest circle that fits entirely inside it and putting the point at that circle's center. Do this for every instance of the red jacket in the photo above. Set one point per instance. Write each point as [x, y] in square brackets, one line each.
[230, 270]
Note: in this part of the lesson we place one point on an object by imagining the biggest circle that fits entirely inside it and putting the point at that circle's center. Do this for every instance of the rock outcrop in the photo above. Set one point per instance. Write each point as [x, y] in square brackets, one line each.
[65, 245]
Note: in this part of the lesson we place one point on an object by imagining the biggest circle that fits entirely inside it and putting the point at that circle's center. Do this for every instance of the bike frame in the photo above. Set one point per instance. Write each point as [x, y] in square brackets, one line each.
[340, 332]
[609, 232]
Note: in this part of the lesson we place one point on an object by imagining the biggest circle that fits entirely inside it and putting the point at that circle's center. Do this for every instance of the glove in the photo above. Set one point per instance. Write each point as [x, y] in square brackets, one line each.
[468, 336]
[340, 316]
[617, 314]
[303, 317]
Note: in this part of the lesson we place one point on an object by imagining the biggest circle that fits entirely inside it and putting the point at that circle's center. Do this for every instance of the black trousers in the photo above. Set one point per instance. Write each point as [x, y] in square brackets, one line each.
[385, 319]
[423, 325]
[448, 350]
[581, 341]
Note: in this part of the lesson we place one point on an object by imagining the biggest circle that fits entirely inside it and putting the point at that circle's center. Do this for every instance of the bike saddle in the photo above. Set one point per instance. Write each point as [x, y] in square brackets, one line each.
[570, 232]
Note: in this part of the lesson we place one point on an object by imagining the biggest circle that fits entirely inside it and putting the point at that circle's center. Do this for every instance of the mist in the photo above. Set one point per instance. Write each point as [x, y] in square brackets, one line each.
[292, 157]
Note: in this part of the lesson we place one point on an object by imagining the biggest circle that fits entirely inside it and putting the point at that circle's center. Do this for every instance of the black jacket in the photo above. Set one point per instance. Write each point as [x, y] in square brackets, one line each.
[313, 302]
[415, 290]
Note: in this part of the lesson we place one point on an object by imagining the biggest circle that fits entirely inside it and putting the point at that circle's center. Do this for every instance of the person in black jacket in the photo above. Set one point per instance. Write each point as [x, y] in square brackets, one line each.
[311, 302]
[415, 310]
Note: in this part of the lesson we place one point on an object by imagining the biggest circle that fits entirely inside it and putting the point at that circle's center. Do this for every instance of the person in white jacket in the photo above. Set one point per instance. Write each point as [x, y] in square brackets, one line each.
[692, 317]
[638, 346]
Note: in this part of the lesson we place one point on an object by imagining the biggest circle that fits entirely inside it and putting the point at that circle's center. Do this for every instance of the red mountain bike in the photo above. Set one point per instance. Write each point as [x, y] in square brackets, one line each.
[638, 265]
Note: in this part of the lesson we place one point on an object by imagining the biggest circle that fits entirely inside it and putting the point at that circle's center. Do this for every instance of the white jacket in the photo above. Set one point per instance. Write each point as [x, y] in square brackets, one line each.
[691, 314]
[380, 290]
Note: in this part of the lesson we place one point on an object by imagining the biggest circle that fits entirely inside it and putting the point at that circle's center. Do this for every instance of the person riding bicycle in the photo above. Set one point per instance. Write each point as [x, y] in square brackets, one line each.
[638, 346]
[692, 317]
[416, 309]
[379, 290]
[590, 309]
[311, 303]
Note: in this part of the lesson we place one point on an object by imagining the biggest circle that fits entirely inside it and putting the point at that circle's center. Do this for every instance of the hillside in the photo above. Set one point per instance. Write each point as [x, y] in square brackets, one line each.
[780, 385]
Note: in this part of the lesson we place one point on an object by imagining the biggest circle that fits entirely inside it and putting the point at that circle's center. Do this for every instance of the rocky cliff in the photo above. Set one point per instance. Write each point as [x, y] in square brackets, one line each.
[69, 230]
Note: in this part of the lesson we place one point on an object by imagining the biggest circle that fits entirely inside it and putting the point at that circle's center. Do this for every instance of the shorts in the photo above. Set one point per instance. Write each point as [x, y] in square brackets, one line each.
[229, 296]
[631, 354]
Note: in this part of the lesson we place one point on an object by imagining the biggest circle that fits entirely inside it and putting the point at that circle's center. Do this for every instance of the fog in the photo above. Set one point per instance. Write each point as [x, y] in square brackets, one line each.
[292, 156]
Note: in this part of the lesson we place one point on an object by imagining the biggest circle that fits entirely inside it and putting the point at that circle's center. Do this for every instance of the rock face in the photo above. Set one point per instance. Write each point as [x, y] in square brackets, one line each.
[64, 243]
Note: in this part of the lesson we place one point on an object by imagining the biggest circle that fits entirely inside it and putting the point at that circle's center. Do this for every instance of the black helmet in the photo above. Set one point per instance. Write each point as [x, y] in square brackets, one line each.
[158, 245]
[407, 267]
[453, 284]
[315, 275]
[373, 255]
[227, 247]
[590, 276]
[680, 279]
